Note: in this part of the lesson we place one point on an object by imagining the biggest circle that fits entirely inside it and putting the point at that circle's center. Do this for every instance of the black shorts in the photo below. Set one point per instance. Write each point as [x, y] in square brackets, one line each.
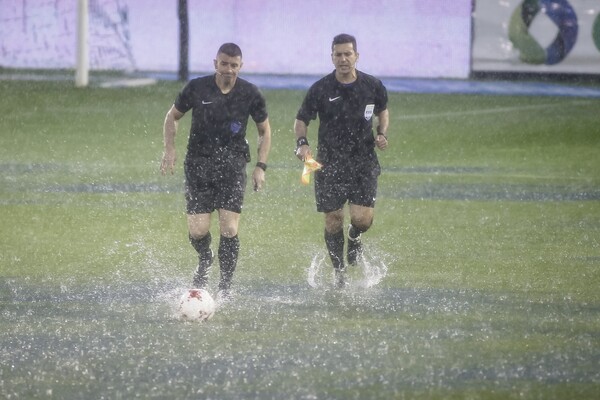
[337, 184]
[213, 183]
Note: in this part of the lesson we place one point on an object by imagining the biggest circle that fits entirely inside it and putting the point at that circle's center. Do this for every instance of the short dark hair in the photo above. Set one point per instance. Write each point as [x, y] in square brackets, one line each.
[231, 49]
[344, 38]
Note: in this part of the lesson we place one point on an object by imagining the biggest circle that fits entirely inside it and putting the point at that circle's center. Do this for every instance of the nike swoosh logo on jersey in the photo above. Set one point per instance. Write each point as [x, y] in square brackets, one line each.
[206, 102]
[334, 98]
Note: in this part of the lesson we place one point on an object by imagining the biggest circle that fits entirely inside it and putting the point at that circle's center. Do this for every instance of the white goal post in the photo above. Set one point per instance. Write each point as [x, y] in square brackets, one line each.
[83, 51]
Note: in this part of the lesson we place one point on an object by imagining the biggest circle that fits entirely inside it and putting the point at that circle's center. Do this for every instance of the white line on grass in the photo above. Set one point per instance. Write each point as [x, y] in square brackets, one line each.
[497, 110]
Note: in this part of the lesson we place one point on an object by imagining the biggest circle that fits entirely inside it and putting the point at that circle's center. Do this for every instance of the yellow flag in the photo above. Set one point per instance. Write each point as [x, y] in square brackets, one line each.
[310, 165]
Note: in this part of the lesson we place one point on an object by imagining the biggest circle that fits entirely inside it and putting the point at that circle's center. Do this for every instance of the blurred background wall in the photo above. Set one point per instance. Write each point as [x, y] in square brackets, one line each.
[396, 38]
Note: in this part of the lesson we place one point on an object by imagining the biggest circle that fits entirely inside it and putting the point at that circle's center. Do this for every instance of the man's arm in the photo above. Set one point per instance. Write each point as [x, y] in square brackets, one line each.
[302, 149]
[264, 140]
[381, 140]
[169, 132]
[264, 146]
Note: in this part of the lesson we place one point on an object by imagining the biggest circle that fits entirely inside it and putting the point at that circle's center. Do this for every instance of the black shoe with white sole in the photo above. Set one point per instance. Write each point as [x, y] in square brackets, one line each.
[201, 275]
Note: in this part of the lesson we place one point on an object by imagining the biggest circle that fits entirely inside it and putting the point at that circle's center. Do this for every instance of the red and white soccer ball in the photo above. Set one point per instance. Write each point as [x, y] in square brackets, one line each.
[196, 305]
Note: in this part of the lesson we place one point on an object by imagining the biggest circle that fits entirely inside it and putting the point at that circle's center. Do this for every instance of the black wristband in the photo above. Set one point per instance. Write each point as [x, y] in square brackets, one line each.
[261, 165]
[301, 141]
[382, 134]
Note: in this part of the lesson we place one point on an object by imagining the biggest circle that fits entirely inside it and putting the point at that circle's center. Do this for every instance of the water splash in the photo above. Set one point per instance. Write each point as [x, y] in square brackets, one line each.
[369, 272]
[373, 269]
[315, 273]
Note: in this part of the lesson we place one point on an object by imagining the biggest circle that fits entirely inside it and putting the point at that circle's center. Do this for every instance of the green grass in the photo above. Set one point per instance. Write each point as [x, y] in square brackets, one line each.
[488, 221]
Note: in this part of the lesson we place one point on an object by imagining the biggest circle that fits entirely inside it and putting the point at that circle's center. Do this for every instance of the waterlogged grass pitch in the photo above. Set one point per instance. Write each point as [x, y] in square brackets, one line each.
[480, 278]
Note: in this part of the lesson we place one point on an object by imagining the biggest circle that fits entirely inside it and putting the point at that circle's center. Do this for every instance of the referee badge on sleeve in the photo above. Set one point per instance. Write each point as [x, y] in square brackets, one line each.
[369, 111]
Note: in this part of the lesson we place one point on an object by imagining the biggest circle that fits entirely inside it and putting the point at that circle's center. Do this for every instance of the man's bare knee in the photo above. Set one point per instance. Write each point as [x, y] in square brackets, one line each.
[334, 221]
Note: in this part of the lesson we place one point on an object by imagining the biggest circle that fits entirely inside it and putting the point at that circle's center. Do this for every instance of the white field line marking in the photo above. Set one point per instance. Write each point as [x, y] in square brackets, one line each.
[497, 110]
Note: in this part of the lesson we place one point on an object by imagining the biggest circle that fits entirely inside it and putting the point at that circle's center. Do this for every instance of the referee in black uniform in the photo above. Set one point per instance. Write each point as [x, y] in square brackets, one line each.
[217, 153]
[346, 102]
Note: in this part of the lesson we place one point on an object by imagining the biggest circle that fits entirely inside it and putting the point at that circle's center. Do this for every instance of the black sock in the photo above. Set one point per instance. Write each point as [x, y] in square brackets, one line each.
[202, 246]
[229, 249]
[335, 246]
[355, 232]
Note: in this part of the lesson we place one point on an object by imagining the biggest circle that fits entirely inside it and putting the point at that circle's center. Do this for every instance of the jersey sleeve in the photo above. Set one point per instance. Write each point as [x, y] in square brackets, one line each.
[381, 98]
[258, 110]
[309, 108]
[183, 101]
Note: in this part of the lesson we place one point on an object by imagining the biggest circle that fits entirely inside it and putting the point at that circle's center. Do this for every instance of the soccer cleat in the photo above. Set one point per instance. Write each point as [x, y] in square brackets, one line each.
[201, 275]
[224, 294]
[355, 248]
[340, 279]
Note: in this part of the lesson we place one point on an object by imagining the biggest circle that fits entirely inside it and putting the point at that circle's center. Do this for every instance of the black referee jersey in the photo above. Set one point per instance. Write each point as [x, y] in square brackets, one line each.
[345, 114]
[220, 120]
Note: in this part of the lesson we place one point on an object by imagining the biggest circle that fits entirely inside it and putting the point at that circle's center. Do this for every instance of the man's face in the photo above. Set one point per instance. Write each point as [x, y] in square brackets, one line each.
[344, 57]
[228, 67]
